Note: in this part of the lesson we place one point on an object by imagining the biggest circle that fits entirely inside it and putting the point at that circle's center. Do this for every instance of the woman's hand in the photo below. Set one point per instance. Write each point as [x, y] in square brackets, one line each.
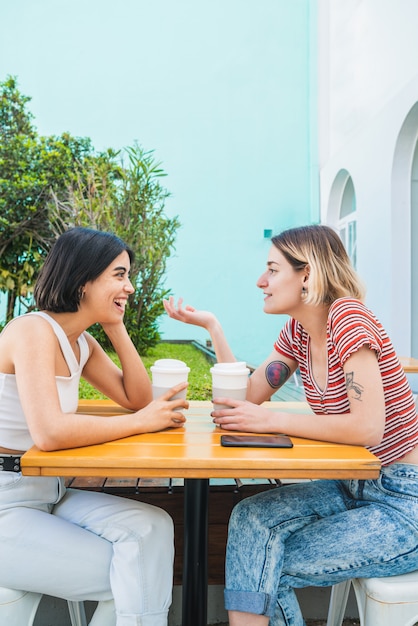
[244, 416]
[205, 319]
[188, 314]
[163, 412]
[117, 326]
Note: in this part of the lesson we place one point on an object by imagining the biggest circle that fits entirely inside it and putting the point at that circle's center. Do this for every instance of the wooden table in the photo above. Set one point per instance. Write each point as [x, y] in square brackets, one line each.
[194, 453]
[409, 364]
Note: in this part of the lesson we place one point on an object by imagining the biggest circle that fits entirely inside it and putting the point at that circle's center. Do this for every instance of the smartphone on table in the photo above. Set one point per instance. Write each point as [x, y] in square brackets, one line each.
[256, 441]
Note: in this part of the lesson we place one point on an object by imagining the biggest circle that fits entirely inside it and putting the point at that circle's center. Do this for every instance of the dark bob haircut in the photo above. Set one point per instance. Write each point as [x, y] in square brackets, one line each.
[78, 256]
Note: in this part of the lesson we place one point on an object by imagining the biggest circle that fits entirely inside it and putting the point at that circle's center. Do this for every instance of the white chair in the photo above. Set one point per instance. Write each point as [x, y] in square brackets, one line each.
[18, 608]
[388, 601]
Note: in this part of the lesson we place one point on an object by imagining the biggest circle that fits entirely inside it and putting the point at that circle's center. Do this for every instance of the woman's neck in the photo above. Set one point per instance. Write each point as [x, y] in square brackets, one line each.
[314, 320]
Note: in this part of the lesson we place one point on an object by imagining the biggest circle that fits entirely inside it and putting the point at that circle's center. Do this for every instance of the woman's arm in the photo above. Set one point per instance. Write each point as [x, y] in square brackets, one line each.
[36, 358]
[129, 385]
[51, 429]
[363, 425]
[268, 377]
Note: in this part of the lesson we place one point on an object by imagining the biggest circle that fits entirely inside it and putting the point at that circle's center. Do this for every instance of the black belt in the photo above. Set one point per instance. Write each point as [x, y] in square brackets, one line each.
[10, 463]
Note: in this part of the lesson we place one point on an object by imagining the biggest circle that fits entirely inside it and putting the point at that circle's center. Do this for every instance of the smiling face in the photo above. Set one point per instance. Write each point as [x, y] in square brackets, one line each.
[281, 284]
[108, 294]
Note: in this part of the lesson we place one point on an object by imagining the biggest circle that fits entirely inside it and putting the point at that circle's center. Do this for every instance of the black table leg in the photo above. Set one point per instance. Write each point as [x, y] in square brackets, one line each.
[195, 553]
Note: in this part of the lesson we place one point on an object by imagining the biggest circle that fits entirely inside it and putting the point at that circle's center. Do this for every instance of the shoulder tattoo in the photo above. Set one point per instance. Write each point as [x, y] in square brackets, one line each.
[351, 385]
[277, 373]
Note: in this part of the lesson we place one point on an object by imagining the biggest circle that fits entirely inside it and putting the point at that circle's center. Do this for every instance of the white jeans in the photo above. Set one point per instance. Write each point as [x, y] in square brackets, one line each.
[83, 545]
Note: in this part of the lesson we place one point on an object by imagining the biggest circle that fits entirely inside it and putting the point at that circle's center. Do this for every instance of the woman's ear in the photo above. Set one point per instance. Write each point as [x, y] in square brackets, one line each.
[305, 281]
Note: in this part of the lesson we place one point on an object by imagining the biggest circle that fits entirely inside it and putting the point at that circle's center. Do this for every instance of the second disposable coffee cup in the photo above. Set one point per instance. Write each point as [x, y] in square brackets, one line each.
[167, 373]
[229, 380]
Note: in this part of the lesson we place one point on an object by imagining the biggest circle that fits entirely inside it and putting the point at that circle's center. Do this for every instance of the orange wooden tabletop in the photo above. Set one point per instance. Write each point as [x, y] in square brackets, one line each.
[409, 364]
[194, 451]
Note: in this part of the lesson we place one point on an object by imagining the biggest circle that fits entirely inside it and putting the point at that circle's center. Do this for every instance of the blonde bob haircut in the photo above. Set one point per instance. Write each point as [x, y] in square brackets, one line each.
[319, 250]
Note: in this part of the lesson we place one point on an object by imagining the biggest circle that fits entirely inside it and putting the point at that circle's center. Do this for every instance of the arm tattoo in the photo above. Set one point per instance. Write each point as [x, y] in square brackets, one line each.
[277, 373]
[353, 386]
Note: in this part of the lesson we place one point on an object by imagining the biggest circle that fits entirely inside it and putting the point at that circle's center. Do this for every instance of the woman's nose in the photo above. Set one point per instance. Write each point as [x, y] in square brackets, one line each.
[262, 281]
[129, 287]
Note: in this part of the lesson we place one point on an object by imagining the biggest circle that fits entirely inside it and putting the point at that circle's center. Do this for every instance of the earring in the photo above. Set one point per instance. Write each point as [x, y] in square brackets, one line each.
[304, 292]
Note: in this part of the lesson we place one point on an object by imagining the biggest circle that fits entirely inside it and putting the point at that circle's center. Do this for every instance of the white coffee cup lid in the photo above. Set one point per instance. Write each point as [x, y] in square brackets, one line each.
[234, 365]
[225, 370]
[168, 365]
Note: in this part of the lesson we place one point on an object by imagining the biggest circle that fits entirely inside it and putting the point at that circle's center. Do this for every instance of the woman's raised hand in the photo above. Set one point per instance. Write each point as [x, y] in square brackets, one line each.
[188, 314]
[205, 319]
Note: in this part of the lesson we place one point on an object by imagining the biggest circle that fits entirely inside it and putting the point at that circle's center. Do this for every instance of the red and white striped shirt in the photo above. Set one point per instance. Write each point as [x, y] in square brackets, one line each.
[350, 326]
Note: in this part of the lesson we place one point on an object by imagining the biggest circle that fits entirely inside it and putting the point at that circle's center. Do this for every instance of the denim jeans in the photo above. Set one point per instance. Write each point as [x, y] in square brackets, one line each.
[82, 545]
[319, 534]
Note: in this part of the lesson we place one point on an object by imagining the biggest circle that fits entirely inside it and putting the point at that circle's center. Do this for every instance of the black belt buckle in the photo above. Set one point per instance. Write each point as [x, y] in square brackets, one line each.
[10, 464]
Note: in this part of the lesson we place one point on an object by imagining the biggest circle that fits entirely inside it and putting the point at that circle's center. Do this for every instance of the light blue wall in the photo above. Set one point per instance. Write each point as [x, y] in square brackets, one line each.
[223, 90]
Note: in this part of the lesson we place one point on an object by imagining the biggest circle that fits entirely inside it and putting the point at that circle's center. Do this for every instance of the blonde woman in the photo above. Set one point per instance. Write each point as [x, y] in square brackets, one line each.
[322, 532]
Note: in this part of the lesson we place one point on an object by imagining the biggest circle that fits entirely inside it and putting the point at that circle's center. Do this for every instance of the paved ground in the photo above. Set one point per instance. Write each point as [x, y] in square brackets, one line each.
[346, 622]
[319, 622]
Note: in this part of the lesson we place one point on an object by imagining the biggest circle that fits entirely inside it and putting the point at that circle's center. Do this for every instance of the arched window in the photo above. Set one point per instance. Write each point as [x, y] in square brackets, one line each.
[342, 212]
[347, 224]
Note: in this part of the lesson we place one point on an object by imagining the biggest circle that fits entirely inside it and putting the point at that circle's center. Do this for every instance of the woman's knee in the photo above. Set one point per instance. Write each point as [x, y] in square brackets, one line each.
[252, 506]
[241, 513]
[155, 522]
[163, 523]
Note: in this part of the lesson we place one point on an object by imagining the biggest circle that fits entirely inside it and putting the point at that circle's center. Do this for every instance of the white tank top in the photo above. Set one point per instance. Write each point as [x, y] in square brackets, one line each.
[14, 432]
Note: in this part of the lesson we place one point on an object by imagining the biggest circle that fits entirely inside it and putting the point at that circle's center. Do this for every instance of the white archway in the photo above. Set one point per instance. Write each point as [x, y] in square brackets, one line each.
[404, 227]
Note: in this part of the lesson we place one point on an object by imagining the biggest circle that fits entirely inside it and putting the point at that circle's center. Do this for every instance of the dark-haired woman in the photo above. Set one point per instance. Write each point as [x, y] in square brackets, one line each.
[322, 532]
[74, 544]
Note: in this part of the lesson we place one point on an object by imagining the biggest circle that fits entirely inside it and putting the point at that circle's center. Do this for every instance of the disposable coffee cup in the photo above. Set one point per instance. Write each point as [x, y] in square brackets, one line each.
[229, 380]
[167, 373]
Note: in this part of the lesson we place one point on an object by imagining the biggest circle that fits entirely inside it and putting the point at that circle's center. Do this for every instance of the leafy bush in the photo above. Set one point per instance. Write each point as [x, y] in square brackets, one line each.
[50, 184]
[129, 201]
